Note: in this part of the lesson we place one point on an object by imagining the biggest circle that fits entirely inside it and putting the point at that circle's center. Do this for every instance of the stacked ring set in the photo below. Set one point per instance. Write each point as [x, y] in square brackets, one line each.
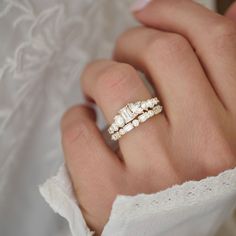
[132, 115]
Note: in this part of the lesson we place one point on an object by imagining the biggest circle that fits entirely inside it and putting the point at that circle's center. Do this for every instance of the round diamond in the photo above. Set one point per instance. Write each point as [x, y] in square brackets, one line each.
[115, 136]
[150, 103]
[157, 109]
[150, 113]
[115, 127]
[110, 130]
[119, 121]
[136, 107]
[118, 135]
[155, 101]
[144, 105]
[122, 132]
[135, 123]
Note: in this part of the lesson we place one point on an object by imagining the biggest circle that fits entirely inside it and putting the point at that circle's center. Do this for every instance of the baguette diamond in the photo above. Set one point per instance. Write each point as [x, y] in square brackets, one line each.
[128, 127]
[127, 114]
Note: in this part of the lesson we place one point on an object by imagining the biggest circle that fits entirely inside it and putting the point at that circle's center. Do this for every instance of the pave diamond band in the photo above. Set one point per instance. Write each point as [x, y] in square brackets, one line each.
[130, 116]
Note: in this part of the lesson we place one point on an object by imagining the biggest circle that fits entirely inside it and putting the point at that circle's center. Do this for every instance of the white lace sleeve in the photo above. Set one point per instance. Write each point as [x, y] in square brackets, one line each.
[193, 208]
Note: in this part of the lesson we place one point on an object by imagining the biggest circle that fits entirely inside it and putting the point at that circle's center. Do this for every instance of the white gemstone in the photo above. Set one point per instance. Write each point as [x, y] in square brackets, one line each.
[150, 103]
[157, 109]
[144, 105]
[136, 107]
[155, 101]
[135, 123]
[115, 127]
[128, 127]
[126, 114]
[118, 135]
[119, 120]
[143, 117]
[150, 113]
[110, 130]
[115, 136]
[122, 132]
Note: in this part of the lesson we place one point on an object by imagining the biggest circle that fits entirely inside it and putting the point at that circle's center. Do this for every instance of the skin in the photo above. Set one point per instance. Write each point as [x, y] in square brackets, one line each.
[191, 63]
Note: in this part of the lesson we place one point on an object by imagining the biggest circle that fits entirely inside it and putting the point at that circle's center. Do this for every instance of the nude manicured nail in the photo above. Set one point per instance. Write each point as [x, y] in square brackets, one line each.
[139, 5]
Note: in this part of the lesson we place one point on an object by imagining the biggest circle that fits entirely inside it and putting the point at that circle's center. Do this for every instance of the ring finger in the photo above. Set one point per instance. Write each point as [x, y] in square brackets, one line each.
[112, 85]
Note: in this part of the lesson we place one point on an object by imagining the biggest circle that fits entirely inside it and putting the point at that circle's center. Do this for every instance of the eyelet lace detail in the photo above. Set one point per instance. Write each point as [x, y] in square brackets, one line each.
[178, 196]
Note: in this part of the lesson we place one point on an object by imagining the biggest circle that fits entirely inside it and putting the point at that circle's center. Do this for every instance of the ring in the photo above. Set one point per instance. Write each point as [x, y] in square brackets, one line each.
[130, 116]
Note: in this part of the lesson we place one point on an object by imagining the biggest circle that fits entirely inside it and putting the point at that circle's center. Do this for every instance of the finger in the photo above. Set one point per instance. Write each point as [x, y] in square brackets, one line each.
[93, 167]
[175, 70]
[231, 12]
[212, 35]
[87, 156]
[112, 85]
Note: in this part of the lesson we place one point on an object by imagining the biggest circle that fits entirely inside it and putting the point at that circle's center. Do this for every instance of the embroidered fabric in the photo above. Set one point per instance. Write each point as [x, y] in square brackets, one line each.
[44, 46]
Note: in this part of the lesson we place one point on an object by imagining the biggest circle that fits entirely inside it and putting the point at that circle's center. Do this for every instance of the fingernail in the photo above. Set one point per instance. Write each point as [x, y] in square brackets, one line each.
[139, 5]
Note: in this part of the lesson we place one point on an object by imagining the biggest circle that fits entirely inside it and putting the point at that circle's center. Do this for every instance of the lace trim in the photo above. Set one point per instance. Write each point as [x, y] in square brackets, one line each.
[178, 196]
[58, 193]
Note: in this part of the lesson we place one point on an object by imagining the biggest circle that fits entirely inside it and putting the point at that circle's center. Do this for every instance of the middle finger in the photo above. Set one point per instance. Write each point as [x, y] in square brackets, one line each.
[169, 60]
[112, 85]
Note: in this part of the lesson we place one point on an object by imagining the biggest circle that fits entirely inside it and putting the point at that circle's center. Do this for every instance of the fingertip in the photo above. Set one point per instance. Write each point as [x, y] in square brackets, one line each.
[231, 12]
[139, 5]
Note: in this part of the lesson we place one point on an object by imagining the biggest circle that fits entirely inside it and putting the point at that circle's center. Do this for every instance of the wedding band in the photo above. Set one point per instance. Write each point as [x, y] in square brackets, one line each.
[130, 116]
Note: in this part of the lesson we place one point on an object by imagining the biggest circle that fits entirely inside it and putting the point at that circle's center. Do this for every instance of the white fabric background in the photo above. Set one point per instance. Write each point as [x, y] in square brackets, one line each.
[43, 48]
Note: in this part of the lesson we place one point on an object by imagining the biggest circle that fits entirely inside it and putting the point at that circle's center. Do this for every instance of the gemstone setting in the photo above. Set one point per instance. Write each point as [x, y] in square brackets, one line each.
[127, 114]
[128, 127]
[119, 120]
[135, 123]
[132, 115]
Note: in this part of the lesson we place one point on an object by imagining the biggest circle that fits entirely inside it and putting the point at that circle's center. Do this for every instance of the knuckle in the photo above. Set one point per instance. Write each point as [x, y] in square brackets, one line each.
[92, 66]
[166, 46]
[222, 32]
[115, 76]
[127, 35]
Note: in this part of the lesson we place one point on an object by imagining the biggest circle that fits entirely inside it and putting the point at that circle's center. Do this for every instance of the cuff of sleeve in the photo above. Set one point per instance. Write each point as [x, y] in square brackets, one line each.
[58, 193]
[211, 199]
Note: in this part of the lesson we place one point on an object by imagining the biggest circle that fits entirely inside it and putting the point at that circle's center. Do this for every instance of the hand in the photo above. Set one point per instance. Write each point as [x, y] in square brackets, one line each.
[191, 63]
